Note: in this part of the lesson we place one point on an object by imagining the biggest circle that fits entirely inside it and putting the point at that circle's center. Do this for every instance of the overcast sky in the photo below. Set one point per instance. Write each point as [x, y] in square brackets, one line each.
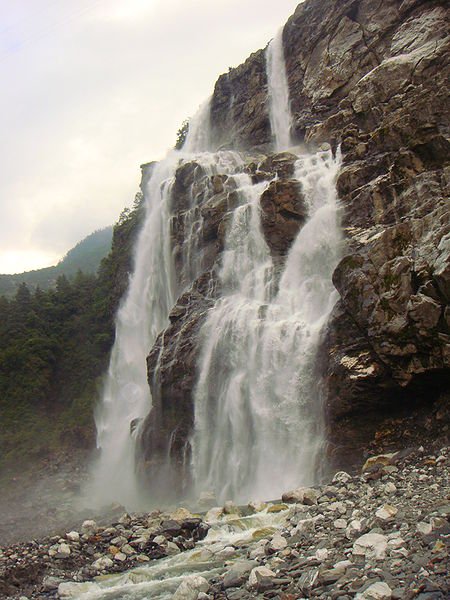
[93, 88]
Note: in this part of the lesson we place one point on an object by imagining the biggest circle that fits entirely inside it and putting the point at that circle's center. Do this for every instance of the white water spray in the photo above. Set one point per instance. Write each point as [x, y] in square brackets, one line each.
[278, 92]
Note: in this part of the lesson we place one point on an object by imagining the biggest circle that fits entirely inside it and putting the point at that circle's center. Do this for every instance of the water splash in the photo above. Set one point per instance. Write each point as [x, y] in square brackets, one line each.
[278, 92]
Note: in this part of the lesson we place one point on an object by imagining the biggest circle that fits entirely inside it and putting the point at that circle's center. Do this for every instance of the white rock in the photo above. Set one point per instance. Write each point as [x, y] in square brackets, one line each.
[376, 591]
[128, 550]
[102, 563]
[214, 514]
[120, 557]
[338, 507]
[181, 514]
[278, 542]
[304, 526]
[258, 574]
[160, 540]
[89, 527]
[119, 541]
[343, 564]
[371, 545]
[257, 505]
[171, 549]
[396, 543]
[257, 553]
[424, 528]
[73, 536]
[389, 489]
[322, 554]
[341, 477]
[302, 495]
[387, 512]
[63, 551]
[354, 528]
[191, 587]
[340, 523]
[142, 558]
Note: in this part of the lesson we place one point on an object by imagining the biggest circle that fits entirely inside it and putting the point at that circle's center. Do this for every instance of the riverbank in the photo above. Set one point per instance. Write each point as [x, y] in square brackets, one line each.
[380, 534]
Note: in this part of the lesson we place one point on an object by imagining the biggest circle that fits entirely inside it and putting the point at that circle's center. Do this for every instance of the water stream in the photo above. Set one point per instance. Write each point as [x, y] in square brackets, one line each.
[159, 579]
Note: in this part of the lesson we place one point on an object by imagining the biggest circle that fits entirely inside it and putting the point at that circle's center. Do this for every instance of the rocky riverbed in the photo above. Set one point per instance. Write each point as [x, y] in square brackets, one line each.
[379, 534]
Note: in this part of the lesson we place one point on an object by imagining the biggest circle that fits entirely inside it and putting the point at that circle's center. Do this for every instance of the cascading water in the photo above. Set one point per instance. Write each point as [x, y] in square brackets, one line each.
[257, 414]
[153, 288]
[258, 417]
[278, 93]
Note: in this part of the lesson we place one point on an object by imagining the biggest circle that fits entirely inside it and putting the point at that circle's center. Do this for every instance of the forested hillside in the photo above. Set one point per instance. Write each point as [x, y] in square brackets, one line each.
[54, 346]
[86, 256]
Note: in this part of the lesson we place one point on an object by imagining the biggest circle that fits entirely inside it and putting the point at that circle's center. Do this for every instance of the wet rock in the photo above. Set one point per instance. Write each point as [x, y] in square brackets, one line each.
[283, 213]
[191, 587]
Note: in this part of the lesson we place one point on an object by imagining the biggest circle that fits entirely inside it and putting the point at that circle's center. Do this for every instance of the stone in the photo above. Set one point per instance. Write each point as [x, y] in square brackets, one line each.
[341, 477]
[424, 528]
[387, 512]
[171, 549]
[308, 496]
[379, 460]
[340, 524]
[191, 587]
[102, 564]
[120, 557]
[257, 505]
[73, 536]
[238, 573]
[371, 545]
[376, 591]
[354, 528]
[390, 488]
[51, 583]
[89, 527]
[277, 543]
[260, 578]
[63, 551]
[127, 549]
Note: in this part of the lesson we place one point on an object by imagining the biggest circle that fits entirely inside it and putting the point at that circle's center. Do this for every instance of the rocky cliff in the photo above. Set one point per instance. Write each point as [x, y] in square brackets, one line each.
[372, 78]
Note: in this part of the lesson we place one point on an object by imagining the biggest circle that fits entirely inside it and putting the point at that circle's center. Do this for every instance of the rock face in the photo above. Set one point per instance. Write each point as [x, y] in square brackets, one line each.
[371, 78]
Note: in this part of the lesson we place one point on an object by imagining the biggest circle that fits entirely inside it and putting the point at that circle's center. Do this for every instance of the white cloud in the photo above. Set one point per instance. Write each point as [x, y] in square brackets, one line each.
[93, 88]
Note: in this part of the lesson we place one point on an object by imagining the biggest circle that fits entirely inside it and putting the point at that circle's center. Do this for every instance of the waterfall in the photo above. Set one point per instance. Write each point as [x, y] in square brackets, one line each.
[142, 315]
[258, 415]
[278, 93]
[258, 418]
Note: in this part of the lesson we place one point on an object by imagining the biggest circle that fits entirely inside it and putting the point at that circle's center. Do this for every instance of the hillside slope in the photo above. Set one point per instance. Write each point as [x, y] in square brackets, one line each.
[84, 256]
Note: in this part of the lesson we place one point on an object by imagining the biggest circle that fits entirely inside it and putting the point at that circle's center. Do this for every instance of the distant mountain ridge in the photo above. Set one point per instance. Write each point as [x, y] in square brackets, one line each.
[84, 256]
